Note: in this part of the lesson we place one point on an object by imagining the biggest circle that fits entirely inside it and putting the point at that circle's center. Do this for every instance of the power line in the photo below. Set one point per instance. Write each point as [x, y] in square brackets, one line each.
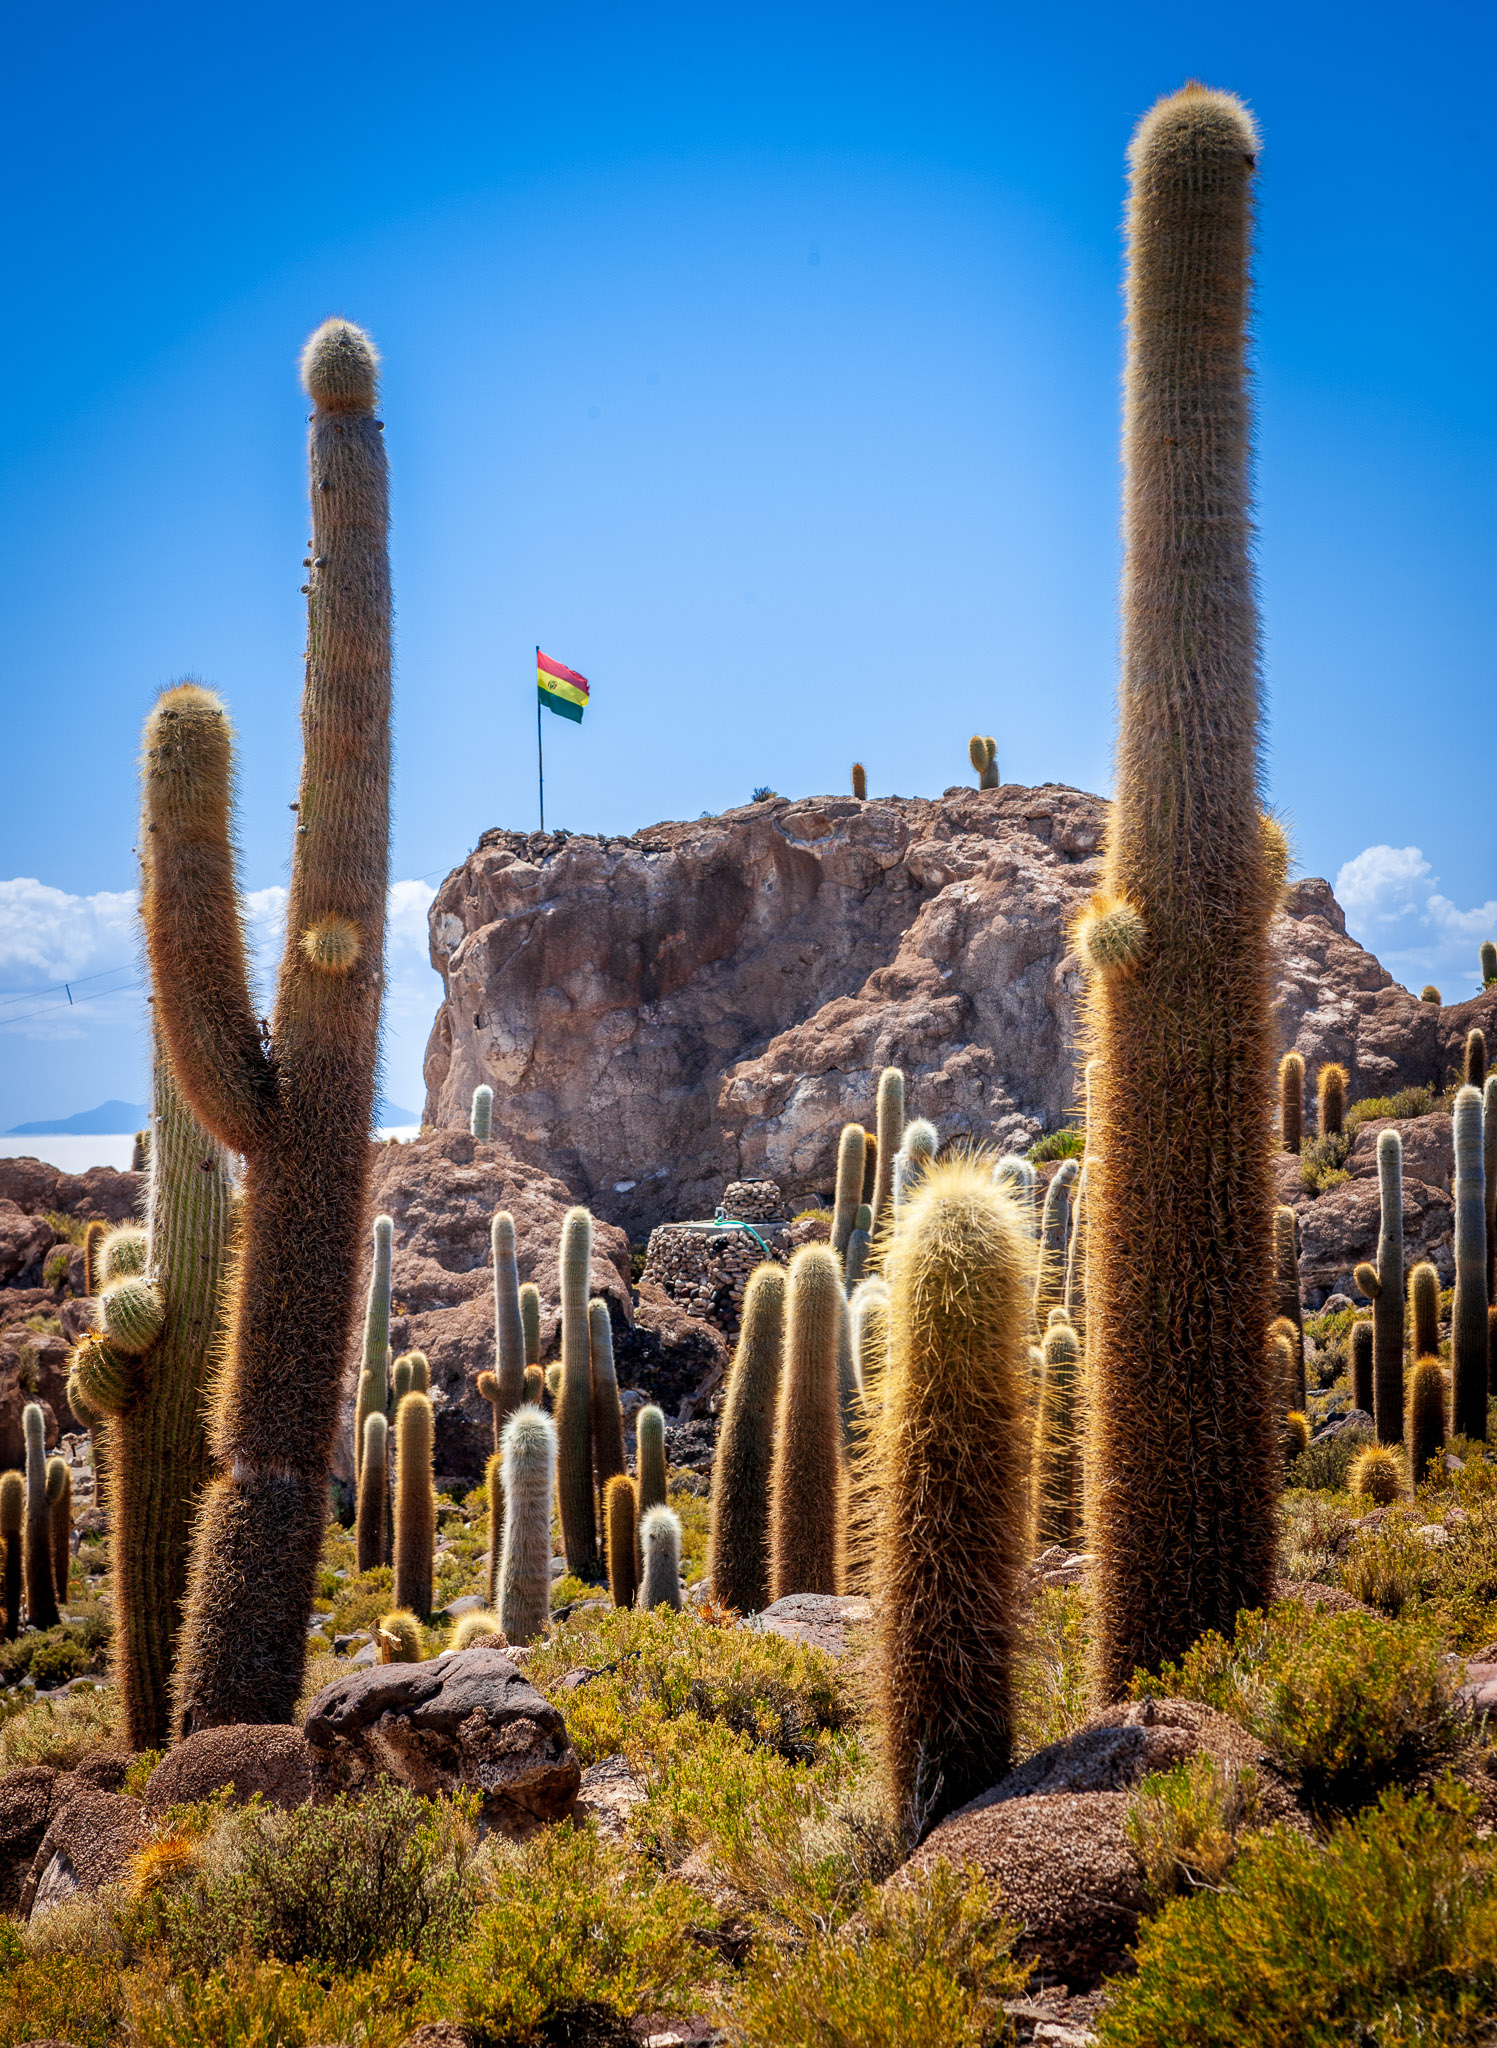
[29, 995]
[99, 995]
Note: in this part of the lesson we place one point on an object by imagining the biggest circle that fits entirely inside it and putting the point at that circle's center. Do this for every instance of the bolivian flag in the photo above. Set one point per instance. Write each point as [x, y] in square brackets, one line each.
[562, 689]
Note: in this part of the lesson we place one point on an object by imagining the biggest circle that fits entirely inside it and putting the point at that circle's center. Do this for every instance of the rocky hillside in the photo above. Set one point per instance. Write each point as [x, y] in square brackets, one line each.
[700, 1003]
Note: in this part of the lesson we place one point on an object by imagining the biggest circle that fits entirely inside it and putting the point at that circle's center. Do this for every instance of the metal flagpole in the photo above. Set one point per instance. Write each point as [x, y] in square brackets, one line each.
[540, 758]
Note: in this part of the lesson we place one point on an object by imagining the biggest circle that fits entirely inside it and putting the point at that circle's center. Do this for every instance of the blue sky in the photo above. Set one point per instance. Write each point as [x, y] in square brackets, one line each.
[761, 363]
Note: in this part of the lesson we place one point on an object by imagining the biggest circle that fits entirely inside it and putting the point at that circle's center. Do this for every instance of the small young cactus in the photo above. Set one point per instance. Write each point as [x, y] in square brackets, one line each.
[415, 1504]
[551, 1379]
[1296, 1434]
[860, 784]
[481, 1114]
[890, 1134]
[140, 1152]
[418, 1371]
[1424, 1310]
[982, 752]
[400, 1381]
[373, 1494]
[921, 1140]
[806, 1519]
[1292, 1101]
[1426, 1416]
[1361, 1365]
[621, 1538]
[1468, 1314]
[1488, 963]
[41, 1590]
[1050, 1269]
[849, 1196]
[12, 1518]
[94, 1234]
[660, 1542]
[574, 1405]
[856, 1262]
[1430, 994]
[1330, 1099]
[60, 1500]
[1474, 1060]
[530, 1321]
[374, 1385]
[1058, 1463]
[510, 1352]
[478, 1622]
[535, 1387]
[1376, 1474]
[1111, 937]
[1287, 1302]
[397, 1637]
[649, 1458]
[738, 1548]
[608, 1418]
[521, 1593]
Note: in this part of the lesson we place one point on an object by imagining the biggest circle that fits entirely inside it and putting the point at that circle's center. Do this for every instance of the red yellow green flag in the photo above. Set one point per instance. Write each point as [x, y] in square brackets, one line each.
[562, 689]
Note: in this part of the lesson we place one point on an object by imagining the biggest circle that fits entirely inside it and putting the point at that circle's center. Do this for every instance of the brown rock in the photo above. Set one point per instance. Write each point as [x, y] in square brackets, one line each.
[25, 1241]
[465, 1720]
[103, 1770]
[1320, 1599]
[608, 1794]
[1341, 1226]
[89, 1843]
[440, 2034]
[820, 1620]
[28, 1797]
[101, 1192]
[274, 1762]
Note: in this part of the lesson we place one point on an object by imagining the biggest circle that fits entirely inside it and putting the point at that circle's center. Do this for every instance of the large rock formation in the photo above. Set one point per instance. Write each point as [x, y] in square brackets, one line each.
[700, 1003]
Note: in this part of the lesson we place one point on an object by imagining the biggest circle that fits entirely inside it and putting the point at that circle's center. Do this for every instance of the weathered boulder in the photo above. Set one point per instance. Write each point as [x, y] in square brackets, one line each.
[89, 1843]
[28, 1797]
[467, 1720]
[1340, 1227]
[35, 1186]
[276, 1763]
[819, 1620]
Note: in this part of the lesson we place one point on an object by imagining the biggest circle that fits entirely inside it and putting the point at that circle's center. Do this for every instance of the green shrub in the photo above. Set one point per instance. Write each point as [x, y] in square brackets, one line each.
[1450, 1583]
[1058, 1145]
[927, 1960]
[1387, 1934]
[57, 1997]
[61, 1731]
[1183, 1824]
[1407, 1102]
[1345, 1703]
[339, 1885]
[1052, 1683]
[1323, 1162]
[1324, 1466]
[253, 2004]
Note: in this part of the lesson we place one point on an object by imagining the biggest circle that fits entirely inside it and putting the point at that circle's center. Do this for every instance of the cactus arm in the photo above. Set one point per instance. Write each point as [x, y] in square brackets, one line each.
[1367, 1280]
[890, 1133]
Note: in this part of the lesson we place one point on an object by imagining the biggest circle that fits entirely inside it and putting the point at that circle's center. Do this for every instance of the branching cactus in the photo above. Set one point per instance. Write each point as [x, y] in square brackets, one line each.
[849, 1195]
[921, 1140]
[574, 1403]
[374, 1376]
[1058, 1460]
[649, 1459]
[1426, 1416]
[521, 1595]
[510, 1352]
[60, 1501]
[621, 1539]
[1184, 1435]
[1383, 1285]
[738, 1549]
[660, 1543]
[1292, 1101]
[1468, 1314]
[952, 1458]
[1424, 1311]
[889, 1131]
[1288, 1304]
[1050, 1269]
[296, 1104]
[370, 1519]
[1330, 1100]
[608, 1416]
[415, 1505]
[808, 1485]
[982, 752]
[41, 1590]
[481, 1113]
[12, 1521]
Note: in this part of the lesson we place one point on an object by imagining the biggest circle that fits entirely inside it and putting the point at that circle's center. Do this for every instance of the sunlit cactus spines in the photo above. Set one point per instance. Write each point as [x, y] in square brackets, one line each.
[1426, 1416]
[921, 1143]
[738, 1548]
[1330, 1099]
[608, 1418]
[1292, 1101]
[982, 752]
[807, 1522]
[660, 1546]
[1361, 1366]
[1430, 994]
[530, 1321]
[856, 1263]
[521, 1593]
[509, 1322]
[1287, 1303]
[415, 1504]
[621, 1539]
[1474, 1059]
[649, 1458]
[481, 1113]
[849, 1187]
[1111, 936]
[60, 1501]
[1383, 1285]
[889, 1130]
[1055, 1222]
[41, 1589]
[1424, 1310]
[1488, 963]
[12, 1525]
[373, 1494]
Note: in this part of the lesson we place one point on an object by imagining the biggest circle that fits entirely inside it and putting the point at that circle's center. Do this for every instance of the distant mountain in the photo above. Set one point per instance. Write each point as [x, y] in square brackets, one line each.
[391, 1113]
[109, 1120]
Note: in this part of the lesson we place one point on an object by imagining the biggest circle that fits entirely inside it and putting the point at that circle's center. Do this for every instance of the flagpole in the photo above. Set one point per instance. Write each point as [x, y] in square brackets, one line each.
[540, 758]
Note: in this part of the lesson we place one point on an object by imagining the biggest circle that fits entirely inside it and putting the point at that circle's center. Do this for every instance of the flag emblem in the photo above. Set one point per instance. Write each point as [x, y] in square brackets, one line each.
[562, 690]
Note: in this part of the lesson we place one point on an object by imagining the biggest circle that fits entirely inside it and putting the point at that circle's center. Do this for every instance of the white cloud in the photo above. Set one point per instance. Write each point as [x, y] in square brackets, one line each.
[1394, 905]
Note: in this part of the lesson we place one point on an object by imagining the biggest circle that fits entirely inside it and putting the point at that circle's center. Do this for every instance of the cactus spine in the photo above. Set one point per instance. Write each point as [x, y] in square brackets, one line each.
[299, 1107]
[621, 1538]
[574, 1404]
[400, 1381]
[481, 1112]
[1361, 1366]
[1288, 1305]
[953, 1469]
[649, 1459]
[660, 1541]
[738, 1548]
[60, 1500]
[1058, 1488]
[856, 1262]
[1292, 1101]
[1474, 1061]
[806, 1518]
[397, 1636]
[1383, 1285]
[415, 1505]
[510, 1351]
[522, 1592]
[849, 1195]
[373, 1494]
[859, 782]
[1426, 1416]
[608, 1417]
[1330, 1100]
[1050, 1270]
[889, 1130]
[12, 1519]
[1185, 1433]
[41, 1592]
[1424, 1311]
[982, 752]
[1468, 1315]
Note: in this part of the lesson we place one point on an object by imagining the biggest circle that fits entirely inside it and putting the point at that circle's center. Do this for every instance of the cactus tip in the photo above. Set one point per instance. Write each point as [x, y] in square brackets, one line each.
[340, 367]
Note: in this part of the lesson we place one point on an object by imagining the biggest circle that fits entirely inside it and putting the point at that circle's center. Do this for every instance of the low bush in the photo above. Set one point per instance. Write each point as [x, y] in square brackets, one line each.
[250, 2004]
[60, 1731]
[1407, 1102]
[1322, 1164]
[69, 1998]
[1183, 1824]
[1386, 1934]
[1052, 1684]
[1058, 1145]
[1324, 1467]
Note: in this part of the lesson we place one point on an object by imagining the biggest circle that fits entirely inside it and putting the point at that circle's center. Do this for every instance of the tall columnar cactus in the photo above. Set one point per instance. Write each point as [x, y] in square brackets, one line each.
[1292, 1101]
[1488, 963]
[982, 752]
[94, 1234]
[1424, 1310]
[374, 1375]
[1468, 1314]
[1058, 1459]
[145, 1374]
[1330, 1100]
[1489, 1174]
[1050, 1269]
[649, 1458]
[1015, 1173]
[859, 782]
[808, 1482]
[415, 1505]
[621, 1538]
[297, 1104]
[400, 1381]
[41, 1590]
[856, 1262]
[481, 1112]
[1474, 1060]
[738, 1548]
[870, 1169]
[849, 1194]
[1383, 1285]
[1185, 1436]
[372, 1510]
[889, 1131]
[1287, 1301]
[660, 1544]
[509, 1323]
[521, 1593]
[60, 1501]
[868, 1316]
[608, 1416]
[12, 1521]
[921, 1139]
[574, 1404]
[952, 1457]
[1426, 1416]
[1361, 1366]
[530, 1321]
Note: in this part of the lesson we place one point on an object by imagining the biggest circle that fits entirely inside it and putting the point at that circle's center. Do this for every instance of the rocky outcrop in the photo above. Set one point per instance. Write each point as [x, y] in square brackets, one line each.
[702, 1003]
[246, 1762]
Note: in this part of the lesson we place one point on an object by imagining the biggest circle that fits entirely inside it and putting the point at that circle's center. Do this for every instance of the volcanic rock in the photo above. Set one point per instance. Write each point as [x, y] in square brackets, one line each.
[275, 1763]
[89, 1843]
